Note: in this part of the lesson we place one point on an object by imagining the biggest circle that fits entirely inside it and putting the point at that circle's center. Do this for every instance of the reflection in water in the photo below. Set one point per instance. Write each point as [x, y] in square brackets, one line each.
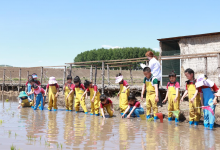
[52, 131]
[80, 131]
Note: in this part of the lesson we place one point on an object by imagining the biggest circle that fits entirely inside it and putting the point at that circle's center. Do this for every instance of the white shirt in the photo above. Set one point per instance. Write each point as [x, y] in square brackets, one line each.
[155, 68]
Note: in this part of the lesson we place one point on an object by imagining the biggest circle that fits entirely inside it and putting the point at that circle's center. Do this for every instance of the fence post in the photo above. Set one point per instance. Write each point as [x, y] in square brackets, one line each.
[120, 69]
[91, 73]
[64, 76]
[95, 74]
[3, 84]
[70, 69]
[103, 78]
[205, 64]
[108, 74]
[42, 73]
[19, 84]
[27, 74]
[131, 75]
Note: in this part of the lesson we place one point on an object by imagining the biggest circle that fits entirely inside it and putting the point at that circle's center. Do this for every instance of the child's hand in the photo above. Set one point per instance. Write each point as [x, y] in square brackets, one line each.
[181, 100]
[113, 110]
[164, 101]
[217, 95]
[175, 100]
[19, 106]
[192, 100]
[123, 116]
[124, 90]
[215, 101]
[129, 116]
[118, 94]
[156, 99]
[68, 97]
[142, 98]
[56, 95]
[92, 100]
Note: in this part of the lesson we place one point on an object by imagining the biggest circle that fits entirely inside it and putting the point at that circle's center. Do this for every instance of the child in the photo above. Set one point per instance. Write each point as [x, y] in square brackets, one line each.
[173, 96]
[106, 103]
[53, 88]
[39, 97]
[24, 101]
[94, 97]
[134, 107]
[79, 90]
[68, 86]
[123, 93]
[150, 84]
[206, 89]
[28, 88]
[194, 98]
[34, 76]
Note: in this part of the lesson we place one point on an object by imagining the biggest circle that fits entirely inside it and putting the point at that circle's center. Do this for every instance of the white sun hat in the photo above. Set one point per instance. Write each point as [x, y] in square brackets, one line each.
[202, 81]
[143, 65]
[118, 79]
[52, 80]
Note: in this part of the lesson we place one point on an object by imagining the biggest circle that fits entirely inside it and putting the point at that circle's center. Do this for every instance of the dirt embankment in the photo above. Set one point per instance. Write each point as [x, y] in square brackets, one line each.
[184, 107]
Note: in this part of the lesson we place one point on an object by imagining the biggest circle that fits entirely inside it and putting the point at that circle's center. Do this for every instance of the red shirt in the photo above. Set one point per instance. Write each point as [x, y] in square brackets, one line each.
[191, 82]
[57, 86]
[41, 90]
[136, 104]
[214, 88]
[94, 87]
[125, 83]
[108, 102]
[74, 86]
[177, 85]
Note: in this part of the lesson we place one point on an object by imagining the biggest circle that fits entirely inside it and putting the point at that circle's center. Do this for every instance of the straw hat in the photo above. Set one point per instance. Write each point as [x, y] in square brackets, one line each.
[202, 81]
[22, 94]
[118, 79]
[52, 80]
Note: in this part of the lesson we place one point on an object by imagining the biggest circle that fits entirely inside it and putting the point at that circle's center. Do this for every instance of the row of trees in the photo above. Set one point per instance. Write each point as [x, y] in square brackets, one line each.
[113, 54]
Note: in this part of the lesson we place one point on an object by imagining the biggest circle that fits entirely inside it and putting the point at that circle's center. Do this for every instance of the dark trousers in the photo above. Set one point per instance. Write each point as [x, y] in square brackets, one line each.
[159, 96]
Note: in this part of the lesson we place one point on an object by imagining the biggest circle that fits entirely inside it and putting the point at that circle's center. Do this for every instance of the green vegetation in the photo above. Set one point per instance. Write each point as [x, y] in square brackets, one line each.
[13, 147]
[114, 54]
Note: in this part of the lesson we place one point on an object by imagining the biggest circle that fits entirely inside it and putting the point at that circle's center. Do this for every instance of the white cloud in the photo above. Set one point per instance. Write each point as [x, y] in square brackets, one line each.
[156, 49]
[40, 61]
[110, 47]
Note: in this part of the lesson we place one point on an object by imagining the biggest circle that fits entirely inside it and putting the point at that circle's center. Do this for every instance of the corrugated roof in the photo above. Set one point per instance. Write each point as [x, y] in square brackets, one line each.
[187, 36]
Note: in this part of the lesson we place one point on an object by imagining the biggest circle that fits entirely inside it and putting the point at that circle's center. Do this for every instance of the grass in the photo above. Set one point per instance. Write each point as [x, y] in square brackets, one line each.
[9, 132]
[13, 147]
[7, 100]
[1, 121]
[61, 146]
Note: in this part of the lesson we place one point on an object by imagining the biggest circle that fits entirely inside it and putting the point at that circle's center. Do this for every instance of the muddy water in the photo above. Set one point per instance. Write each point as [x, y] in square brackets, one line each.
[27, 129]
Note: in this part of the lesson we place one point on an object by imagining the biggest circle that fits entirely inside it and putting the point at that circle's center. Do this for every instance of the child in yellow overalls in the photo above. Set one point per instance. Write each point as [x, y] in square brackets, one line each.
[173, 96]
[151, 85]
[24, 101]
[53, 88]
[123, 93]
[67, 88]
[94, 97]
[194, 98]
[107, 104]
[79, 90]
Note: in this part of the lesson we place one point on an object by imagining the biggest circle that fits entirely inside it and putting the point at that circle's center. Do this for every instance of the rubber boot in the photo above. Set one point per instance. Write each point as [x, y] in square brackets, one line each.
[91, 114]
[76, 112]
[96, 114]
[155, 118]
[70, 110]
[190, 122]
[125, 116]
[176, 120]
[50, 109]
[170, 119]
[148, 116]
[54, 110]
[211, 126]
[67, 110]
[196, 123]
[86, 113]
[206, 125]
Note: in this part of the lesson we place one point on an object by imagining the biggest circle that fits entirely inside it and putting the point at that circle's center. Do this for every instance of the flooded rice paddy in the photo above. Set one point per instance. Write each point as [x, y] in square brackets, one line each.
[33, 130]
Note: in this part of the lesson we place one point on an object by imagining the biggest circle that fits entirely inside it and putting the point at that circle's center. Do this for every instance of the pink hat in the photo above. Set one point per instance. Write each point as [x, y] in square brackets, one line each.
[118, 79]
[52, 80]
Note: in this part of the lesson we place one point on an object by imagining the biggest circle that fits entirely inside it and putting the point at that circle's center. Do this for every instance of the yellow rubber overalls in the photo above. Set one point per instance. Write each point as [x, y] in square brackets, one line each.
[150, 98]
[26, 103]
[52, 98]
[172, 106]
[95, 104]
[108, 109]
[69, 102]
[123, 98]
[194, 112]
[79, 92]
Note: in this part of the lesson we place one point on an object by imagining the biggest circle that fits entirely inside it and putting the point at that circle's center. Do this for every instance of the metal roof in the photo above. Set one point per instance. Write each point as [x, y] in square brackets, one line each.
[187, 36]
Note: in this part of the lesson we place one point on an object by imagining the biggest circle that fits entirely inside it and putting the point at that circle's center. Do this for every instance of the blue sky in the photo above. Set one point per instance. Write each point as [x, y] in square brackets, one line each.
[53, 32]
